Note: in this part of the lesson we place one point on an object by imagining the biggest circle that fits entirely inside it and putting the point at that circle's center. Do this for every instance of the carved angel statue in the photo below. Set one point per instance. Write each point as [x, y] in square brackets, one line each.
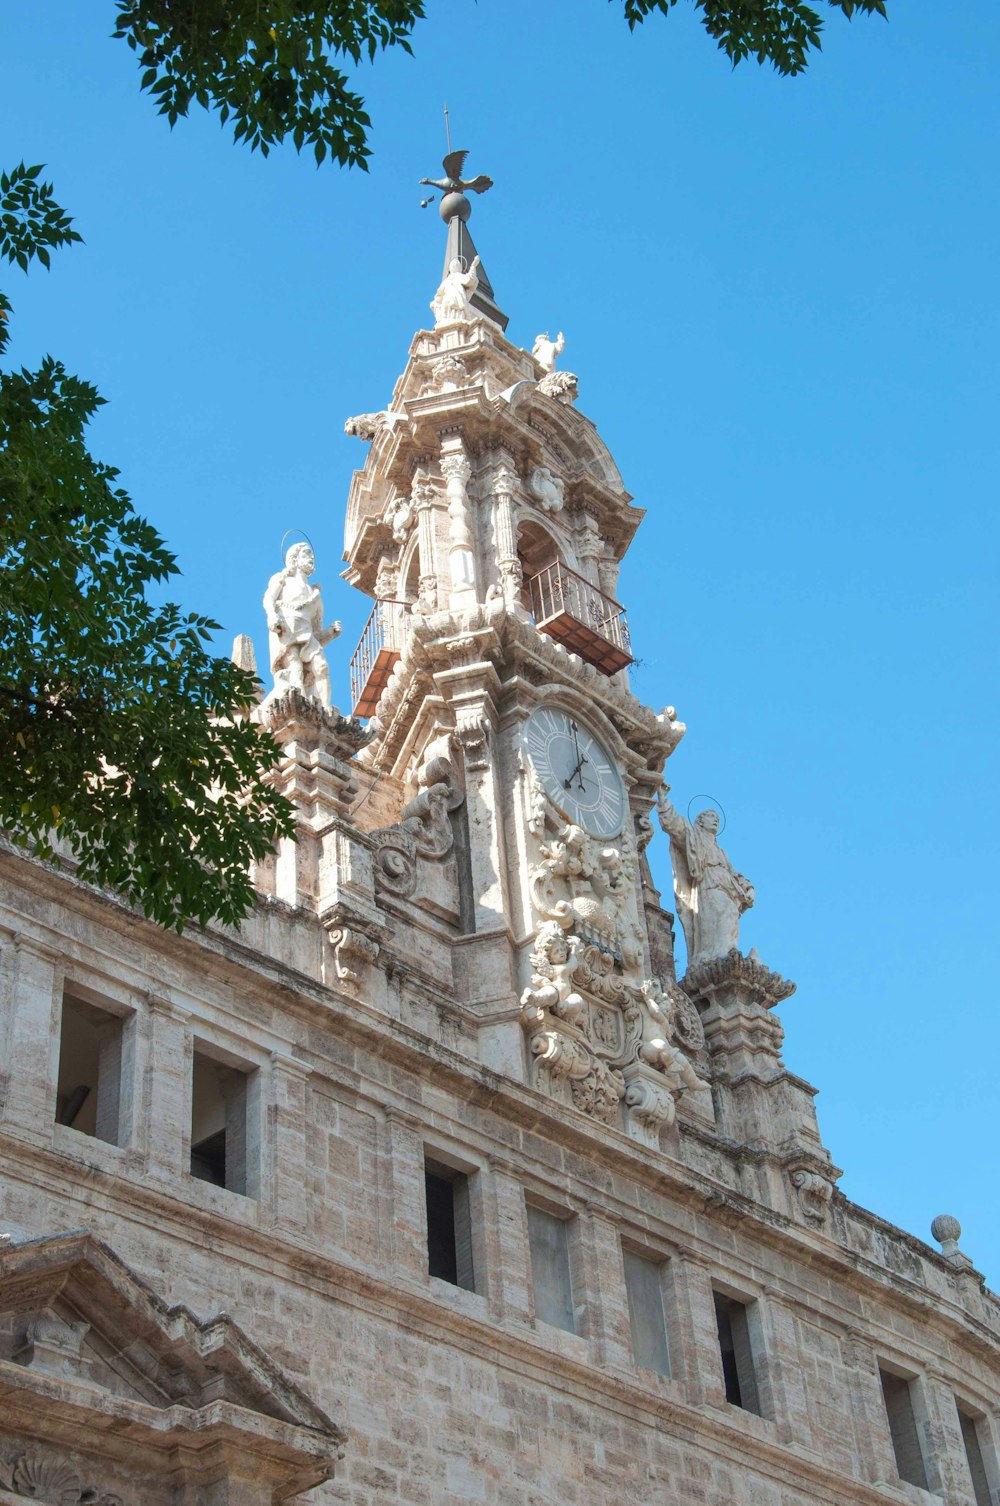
[657, 1048]
[452, 303]
[711, 895]
[555, 957]
[453, 182]
[296, 635]
[545, 350]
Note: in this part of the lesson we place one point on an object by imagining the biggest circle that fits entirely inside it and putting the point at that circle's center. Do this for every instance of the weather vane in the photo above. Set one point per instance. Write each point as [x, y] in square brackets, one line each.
[453, 182]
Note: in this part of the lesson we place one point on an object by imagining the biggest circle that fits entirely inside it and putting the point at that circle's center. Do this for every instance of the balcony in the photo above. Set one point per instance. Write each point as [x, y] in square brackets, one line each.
[376, 656]
[578, 615]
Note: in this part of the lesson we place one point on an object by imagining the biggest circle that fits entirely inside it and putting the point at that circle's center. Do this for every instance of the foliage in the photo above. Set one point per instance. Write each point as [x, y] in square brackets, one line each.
[780, 32]
[268, 64]
[122, 738]
[272, 65]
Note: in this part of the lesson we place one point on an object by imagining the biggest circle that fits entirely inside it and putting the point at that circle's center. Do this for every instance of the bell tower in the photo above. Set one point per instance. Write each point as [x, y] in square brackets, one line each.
[508, 784]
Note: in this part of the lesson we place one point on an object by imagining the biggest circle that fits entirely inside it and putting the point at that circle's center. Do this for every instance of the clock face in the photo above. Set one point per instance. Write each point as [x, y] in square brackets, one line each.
[576, 772]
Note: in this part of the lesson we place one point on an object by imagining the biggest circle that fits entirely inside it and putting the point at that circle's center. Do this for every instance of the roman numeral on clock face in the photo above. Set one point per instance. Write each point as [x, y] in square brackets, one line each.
[576, 771]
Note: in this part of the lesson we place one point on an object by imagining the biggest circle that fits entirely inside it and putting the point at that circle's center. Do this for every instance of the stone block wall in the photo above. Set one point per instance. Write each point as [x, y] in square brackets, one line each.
[450, 1396]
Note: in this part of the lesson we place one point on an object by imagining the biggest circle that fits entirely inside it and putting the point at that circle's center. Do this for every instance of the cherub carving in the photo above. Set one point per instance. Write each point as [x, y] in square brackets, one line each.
[555, 957]
[547, 488]
[657, 1049]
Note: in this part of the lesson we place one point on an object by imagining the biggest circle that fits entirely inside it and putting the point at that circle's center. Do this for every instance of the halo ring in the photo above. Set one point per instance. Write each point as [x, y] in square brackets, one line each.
[717, 804]
[305, 539]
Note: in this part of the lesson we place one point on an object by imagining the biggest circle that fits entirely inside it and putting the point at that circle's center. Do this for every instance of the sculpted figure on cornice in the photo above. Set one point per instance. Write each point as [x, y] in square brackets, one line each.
[296, 634]
[452, 303]
[711, 895]
[545, 350]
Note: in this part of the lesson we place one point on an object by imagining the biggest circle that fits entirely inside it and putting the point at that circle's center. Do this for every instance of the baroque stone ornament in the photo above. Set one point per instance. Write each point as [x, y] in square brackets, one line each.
[296, 634]
[353, 952]
[547, 488]
[711, 895]
[546, 350]
[40, 1475]
[561, 385]
[814, 1193]
[424, 831]
[369, 426]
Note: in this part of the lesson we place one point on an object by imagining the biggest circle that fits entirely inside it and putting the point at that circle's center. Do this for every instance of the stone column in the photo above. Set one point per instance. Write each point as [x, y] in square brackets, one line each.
[695, 1358]
[599, 1284]
[404, 1214]
[505, 487]
[507, 1251]
[871, 1425]
[31, 1050]
[461, 560]
[942, 1444]
[424, 494]
[780, 1382]
[166, 1095]
[285, 1168]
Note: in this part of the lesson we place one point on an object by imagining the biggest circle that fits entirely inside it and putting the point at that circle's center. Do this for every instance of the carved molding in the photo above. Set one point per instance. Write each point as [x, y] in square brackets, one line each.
[736, 971]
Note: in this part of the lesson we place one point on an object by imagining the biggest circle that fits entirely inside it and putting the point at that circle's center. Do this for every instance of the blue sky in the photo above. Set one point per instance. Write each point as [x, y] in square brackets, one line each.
[780, 298]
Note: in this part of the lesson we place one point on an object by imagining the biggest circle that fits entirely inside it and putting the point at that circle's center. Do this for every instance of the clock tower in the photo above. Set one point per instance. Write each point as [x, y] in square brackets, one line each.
[488, 526]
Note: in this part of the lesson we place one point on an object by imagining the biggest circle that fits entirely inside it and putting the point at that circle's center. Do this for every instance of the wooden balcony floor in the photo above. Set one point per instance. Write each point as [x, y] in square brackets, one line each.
[580, 639]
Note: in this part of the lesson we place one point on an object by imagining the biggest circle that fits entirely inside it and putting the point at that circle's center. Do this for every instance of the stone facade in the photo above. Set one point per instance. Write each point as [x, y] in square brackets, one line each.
[451, 1038]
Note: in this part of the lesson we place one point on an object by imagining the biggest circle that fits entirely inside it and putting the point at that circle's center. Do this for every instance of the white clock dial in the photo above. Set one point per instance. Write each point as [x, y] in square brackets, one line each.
[575, 771]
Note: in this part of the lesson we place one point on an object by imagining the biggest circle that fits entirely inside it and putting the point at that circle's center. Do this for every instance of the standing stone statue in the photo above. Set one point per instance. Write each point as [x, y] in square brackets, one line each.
[711, 895]
[453, 300]
[296, 634]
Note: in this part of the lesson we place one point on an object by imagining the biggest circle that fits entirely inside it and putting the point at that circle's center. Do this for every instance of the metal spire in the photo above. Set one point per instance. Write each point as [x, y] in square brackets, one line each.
[455, 209]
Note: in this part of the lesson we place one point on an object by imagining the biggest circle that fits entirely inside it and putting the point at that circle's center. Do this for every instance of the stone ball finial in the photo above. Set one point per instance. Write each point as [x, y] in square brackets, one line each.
[947, 1231]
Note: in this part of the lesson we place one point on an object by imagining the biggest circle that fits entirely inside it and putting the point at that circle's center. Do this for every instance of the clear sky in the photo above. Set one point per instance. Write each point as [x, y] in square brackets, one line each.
[780, 299]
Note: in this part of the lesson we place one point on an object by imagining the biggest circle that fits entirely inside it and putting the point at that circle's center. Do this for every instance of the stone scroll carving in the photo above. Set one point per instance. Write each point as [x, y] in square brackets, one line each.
[424, 831]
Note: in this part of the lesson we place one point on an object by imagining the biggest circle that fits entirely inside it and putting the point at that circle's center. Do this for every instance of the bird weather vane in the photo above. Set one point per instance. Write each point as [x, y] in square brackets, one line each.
[453, 182]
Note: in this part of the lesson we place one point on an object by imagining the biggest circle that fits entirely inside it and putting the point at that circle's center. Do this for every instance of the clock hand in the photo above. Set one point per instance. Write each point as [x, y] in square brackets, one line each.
[576, 771]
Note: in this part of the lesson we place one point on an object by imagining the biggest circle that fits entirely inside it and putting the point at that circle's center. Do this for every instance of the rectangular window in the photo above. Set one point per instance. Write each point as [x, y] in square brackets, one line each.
[93, 1045]
[736, 1348]
[903, 1428]
[644, 1289]
[974, 1454]
[548, 1239]
[224, 1148]
[449, 1225]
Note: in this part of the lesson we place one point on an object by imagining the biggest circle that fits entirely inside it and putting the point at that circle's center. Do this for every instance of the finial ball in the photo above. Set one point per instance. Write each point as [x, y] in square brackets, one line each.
[946, 1230]
[454, 206]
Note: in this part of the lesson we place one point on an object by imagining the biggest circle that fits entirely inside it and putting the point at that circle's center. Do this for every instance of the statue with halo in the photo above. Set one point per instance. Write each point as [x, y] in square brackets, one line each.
[296, 635]
[711, 895]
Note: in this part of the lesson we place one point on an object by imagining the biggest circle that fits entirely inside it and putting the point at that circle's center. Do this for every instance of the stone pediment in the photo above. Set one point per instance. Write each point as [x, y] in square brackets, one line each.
[105, 1385]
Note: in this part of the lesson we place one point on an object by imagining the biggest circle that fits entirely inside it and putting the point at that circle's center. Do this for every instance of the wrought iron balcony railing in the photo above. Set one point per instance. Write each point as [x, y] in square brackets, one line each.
[575, 613]
[376, 655]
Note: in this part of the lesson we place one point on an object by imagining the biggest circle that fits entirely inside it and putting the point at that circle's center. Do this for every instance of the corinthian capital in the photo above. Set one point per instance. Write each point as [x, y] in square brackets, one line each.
[455, 468]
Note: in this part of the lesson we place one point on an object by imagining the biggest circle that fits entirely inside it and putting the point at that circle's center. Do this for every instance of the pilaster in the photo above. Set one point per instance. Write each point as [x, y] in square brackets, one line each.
[461, 560]
[871, 1425]
[31, 1046]
[166, 1092]
[286, 1149]
[508, 1253]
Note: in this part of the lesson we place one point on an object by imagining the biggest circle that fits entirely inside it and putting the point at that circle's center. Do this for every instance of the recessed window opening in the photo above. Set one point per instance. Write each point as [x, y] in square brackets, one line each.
[449, 1225]
[644, 1290]
[89, 1087]
[536, 550]
[974, 1455]
[735, 1347]
[223, 1150]
[898, 1396]
[548, 1240]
